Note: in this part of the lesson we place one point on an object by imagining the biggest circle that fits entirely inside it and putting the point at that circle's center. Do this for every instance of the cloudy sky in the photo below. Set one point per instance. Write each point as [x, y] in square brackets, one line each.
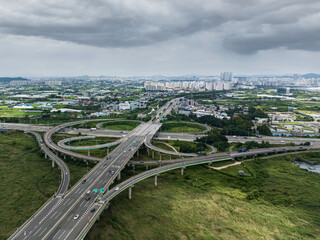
[171, 37]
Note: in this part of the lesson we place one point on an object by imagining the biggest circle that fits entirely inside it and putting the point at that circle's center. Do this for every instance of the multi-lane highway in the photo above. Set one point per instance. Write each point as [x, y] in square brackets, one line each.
[58, 223]
[50, 205]
[180, 164]
[70, 216]
[65, 173]
[62, 143]
[66, 215]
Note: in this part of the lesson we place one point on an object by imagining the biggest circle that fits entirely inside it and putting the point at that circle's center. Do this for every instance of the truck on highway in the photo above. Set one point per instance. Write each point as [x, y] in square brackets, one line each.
[93, 129]
[243, 150]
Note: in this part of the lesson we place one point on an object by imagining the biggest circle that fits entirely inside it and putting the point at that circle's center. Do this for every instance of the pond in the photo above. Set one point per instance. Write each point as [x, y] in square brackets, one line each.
[308, 166]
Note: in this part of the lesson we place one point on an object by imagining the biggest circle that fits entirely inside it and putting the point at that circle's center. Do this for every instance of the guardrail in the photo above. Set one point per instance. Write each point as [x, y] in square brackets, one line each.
[45, 149]
[131, 181]
[128, 183]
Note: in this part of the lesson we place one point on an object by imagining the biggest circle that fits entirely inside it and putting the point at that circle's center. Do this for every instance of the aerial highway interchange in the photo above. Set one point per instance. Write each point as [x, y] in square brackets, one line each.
[70, 214]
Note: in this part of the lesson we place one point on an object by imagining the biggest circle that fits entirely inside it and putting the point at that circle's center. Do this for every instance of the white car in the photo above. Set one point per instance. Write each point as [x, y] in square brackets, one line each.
[116, 189]
[76, 217]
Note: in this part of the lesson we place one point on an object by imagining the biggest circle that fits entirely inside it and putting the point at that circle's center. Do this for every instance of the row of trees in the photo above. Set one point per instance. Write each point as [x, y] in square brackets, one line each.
[216, 139]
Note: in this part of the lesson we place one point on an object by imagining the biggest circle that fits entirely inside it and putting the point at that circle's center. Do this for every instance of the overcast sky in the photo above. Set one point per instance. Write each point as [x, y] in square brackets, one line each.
[171, 37]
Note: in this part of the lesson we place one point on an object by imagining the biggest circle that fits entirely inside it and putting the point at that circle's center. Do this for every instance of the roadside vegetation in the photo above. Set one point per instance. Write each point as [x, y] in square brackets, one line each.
[27, 179]
[182, 146]
[120, 125]
[176, 127]
[278, 201]
[93, 141]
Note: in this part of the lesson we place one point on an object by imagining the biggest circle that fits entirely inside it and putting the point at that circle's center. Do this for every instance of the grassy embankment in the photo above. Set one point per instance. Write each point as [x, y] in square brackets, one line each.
[177, 145]
[17, 113]
[27, 179]
[120, 125]
[99, 153]
[280, 201]
[182, 128]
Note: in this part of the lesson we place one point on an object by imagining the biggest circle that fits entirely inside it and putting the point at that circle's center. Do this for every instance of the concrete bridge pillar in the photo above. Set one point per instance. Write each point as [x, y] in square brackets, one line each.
[160, 156]
[130, 192]
[64, 156]
[148, 151]
[108, 152]
[138, 152]
[119, 176]
[52, 163]
[46, 156]
[147, 167]
[182, 170]
[156, 180]
[170, 156]
[89, 152]
[133, 166]
[152, 154]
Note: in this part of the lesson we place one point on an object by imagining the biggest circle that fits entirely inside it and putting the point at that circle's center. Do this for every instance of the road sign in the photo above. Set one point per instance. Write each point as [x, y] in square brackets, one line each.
[101, 190]
[134, 143]
[95, 190]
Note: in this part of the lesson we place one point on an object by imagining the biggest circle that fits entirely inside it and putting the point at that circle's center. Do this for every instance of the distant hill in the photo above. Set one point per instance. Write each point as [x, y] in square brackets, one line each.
[9, 79]
[311, 75]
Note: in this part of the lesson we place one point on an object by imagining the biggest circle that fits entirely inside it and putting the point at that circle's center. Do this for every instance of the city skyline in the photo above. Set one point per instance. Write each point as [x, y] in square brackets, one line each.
[40, 38]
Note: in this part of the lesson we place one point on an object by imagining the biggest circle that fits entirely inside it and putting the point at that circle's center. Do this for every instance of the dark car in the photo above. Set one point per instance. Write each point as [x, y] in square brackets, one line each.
[88, 198]
[93, 210]
[84, 181]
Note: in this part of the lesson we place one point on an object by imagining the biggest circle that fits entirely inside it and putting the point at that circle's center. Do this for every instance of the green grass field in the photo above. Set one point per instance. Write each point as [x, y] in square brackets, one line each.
[13, 112]
[93, 141]
[177, 145]
[280, 201]
[182, 128]
[27, 180]
[120, 125]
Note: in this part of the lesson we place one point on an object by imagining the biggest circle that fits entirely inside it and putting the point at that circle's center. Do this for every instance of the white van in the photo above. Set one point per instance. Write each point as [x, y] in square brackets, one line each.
[88, 192]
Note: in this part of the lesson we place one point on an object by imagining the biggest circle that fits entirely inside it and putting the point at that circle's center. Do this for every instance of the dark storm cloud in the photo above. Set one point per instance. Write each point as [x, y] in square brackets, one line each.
[244, 26]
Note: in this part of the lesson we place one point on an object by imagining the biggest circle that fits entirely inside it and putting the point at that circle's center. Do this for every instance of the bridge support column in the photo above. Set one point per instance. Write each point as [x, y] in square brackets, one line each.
[46, 156]
[119, 176]
[130, 192]
[52, 163]
[147, 167]
[160, 156]
[64, 156]
[138, 152]
[89, 152]
[152, 154]
[182, 170]
[170, 156]
[148, 151]
[107, 152]
[156, 180]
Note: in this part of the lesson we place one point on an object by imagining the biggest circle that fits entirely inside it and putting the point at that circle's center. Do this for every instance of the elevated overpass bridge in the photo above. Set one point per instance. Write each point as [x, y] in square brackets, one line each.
[57, 222]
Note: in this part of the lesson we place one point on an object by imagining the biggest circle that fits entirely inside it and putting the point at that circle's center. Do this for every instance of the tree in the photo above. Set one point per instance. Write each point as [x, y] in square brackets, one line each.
[264, 130]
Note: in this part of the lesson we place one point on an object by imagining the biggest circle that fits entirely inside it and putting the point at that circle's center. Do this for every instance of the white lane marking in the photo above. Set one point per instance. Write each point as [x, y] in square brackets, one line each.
[62, 234]
[69, 218]
[42, 231]
[56, 233]
[37, 231]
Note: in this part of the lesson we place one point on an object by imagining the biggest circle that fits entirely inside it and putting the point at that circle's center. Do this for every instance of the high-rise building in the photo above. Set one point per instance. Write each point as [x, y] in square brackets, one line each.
[226, 76]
